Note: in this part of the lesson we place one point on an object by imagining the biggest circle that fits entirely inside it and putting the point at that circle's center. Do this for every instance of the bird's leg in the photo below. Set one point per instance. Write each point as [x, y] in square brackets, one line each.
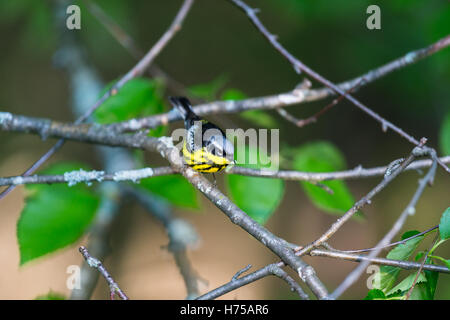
[215, 181]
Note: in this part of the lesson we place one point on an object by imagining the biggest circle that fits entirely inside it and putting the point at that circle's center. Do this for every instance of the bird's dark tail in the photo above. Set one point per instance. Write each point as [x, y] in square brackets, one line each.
[183, 105]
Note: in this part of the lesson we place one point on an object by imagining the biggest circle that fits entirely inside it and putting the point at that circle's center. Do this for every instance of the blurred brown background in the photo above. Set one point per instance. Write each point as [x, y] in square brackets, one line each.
[217, 39]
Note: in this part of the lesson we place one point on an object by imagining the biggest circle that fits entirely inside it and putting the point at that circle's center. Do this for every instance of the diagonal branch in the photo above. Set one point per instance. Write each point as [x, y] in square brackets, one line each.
[422, 265]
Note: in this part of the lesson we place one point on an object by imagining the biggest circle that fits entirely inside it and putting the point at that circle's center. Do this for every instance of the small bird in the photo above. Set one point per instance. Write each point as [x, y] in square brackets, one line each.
[205, 148]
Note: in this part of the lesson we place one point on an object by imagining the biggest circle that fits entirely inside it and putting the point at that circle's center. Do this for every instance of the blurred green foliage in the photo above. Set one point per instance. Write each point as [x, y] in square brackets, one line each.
[139, 97]
[174, 188]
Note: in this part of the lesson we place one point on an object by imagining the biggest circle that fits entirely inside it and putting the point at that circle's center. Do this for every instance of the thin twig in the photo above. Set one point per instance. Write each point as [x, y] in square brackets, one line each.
[391, 244]
[407, 265]
[356, 173]
[303, 122]
[408, 295]
[97, 264]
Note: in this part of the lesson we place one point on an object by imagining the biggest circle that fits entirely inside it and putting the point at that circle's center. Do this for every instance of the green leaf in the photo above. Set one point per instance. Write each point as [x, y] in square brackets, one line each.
[420, 292]
[444, 135]
[137, 98]
[444, 225]
[387, 276]
[51, 296]
[406, 284]
[174, 188]
[258, 197]
[324, 157]
[424, 288]
[209, 91]
[375, 294]
[54, 216]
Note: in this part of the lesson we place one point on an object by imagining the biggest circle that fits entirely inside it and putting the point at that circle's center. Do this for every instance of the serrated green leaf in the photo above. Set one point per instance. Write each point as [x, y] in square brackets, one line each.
[444, 135]
[137, 98]
[174, 188]
[54, 216]
[324, 157]
[385, 279]
[375, 294]
[258, 197]
[406, 283]
[444, 225]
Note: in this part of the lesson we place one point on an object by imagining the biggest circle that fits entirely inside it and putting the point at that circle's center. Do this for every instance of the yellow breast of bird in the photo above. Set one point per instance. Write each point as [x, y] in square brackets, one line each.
[203, 161]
